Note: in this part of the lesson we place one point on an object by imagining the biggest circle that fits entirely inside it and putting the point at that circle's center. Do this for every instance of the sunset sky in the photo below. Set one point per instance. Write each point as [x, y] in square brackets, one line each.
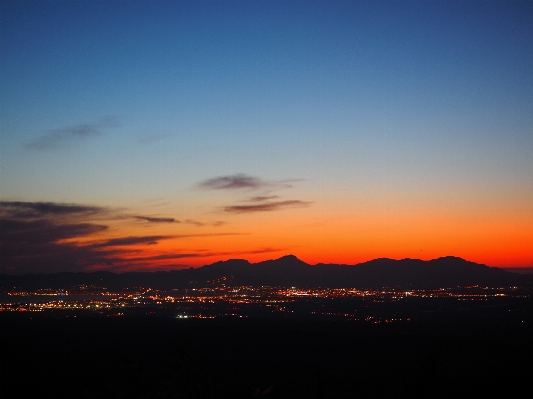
[156, 135]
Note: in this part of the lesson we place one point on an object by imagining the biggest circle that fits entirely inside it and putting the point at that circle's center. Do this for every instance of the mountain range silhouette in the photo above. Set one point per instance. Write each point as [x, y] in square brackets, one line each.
[289, 271]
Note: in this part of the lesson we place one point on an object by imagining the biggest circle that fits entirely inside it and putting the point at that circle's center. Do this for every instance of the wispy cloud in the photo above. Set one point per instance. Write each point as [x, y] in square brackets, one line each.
[260, 251]
[263, 198]
[52, 237]
[168, 256]
[266, 206]
[56, 138]
[209, 235]
[21, 209]
[150, 240]
[243, 181]
[261, 203]
[132, 240]
[233, 182]
[42, 232]
[156, 220]
[202, 224]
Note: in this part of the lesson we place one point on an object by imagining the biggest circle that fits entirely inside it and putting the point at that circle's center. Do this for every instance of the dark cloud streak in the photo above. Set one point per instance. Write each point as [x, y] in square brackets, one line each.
[202, 224]
[263, 198]
[132, 240]
[156, 220]
[58, 137]
[233, 182]
[266, 207]
[243, 181]
[36, 232]
[41, 209]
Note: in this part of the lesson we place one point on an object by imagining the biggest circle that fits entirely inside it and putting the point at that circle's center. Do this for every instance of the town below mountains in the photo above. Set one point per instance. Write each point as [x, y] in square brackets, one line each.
[289, 271]
[275, 329]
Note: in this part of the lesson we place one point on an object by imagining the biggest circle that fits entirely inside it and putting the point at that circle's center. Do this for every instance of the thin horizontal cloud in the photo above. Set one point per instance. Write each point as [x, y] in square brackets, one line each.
[209, 235]
[233, 182]
[15, 232]
[287, 183]
[59, 137]
[156, 220]
[266, 207]
[260, 251]
[243, 181]
[132, 240]
[42, 209]
[151, 240]
[263, 198]
[202, 224]
[168, 256]
[194, 223]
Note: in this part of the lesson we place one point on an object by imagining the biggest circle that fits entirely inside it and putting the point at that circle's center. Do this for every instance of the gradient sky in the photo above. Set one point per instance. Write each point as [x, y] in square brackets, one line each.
[162, 134]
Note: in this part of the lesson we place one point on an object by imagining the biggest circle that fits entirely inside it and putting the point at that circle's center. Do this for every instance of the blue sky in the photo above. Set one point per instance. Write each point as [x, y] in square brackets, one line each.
[403, 105]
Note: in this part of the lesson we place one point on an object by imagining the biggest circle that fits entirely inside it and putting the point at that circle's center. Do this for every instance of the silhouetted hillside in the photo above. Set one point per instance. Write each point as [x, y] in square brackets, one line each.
[290, 271]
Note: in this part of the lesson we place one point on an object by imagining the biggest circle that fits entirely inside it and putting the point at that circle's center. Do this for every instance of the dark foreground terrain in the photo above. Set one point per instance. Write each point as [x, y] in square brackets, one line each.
[156, 357]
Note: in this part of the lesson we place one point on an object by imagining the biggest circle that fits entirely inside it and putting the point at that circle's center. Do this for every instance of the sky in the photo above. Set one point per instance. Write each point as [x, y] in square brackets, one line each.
[158, 135]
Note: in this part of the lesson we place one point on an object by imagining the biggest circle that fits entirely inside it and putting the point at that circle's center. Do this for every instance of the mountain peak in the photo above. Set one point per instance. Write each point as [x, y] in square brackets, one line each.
[451, 257]
[290, 257]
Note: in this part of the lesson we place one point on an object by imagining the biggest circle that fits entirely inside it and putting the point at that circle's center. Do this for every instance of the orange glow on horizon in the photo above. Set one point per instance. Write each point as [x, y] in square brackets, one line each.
[325, 236]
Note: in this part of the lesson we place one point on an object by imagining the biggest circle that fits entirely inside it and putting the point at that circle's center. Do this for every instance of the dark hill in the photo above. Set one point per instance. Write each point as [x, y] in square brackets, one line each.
[290, 271]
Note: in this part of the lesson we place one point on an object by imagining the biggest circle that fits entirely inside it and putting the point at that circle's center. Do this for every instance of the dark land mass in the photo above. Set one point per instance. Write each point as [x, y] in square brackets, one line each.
[440, 347]
[289, 271]
[97, 357]
[519, 270]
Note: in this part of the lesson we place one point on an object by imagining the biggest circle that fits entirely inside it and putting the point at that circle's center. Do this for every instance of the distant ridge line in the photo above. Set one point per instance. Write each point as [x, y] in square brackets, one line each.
[448, 271]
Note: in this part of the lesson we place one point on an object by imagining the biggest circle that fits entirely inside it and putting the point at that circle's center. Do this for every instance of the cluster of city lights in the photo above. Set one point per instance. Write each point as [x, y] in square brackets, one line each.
[238, 301]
